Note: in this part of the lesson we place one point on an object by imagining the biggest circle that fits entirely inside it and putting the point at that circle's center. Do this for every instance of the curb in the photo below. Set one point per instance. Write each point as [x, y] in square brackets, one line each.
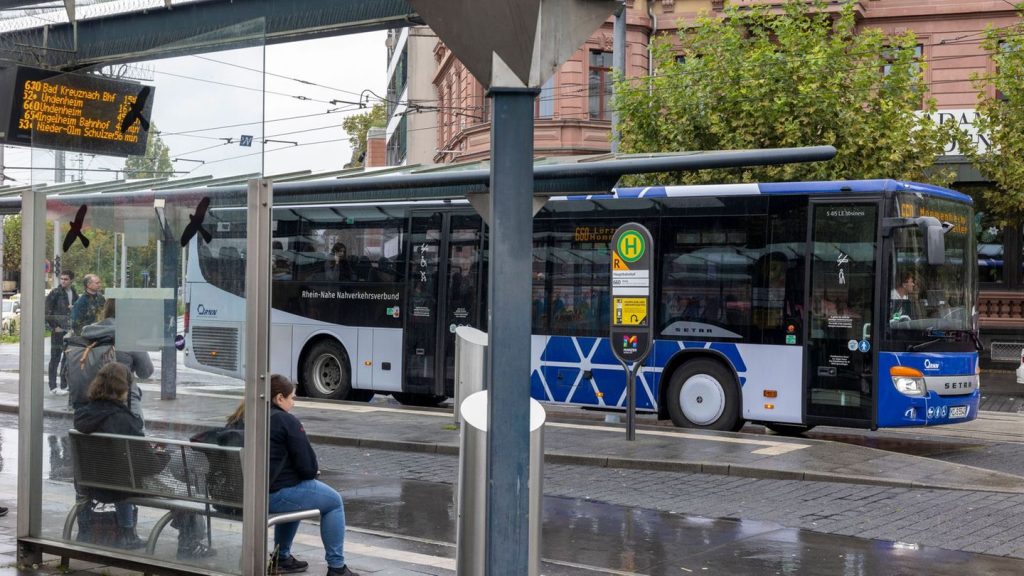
[693, 467]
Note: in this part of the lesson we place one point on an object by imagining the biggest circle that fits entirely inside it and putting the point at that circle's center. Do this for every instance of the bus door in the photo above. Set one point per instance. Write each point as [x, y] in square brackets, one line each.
[444, 292]
[840, 341]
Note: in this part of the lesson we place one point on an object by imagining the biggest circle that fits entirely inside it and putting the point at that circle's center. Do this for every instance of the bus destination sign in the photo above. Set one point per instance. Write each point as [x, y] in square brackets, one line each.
[74, 112]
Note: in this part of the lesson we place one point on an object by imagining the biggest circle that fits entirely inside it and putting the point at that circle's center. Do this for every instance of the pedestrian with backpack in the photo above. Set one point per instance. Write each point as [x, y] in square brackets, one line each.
[92, 349]
[58, 319]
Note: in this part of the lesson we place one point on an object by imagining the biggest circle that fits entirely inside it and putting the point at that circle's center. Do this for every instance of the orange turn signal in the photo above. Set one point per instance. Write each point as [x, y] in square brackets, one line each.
[905, 371]
[769, 406]
[771, 393]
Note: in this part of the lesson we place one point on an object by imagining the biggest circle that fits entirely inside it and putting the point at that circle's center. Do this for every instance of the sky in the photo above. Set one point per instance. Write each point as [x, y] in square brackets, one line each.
[203, 100]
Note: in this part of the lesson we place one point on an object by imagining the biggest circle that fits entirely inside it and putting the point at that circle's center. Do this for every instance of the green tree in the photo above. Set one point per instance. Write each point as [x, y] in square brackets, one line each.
[356, 126]
[12, 243]
[1001, 120]
[799, 77]
[156, 162]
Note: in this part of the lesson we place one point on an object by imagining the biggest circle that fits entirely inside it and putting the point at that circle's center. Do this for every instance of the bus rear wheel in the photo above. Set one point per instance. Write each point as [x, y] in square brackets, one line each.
[428, 400]
[704, 394]
[326, 373]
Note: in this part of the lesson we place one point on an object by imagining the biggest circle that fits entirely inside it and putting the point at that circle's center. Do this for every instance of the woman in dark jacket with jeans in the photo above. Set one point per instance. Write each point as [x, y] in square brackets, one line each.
[293, 485]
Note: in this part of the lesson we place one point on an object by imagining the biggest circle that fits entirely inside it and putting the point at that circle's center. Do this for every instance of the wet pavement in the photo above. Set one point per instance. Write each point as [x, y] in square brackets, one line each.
[401, 527]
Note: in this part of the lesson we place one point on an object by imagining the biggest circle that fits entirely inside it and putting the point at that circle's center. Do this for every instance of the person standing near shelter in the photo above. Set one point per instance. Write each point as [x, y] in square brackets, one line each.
[138, 363]
[58, 319]
[293, 485]
[89, 306]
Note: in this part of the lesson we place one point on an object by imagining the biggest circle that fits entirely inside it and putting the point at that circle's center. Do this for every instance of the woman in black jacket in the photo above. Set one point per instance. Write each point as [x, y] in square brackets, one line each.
[108, 412]
[293, 485]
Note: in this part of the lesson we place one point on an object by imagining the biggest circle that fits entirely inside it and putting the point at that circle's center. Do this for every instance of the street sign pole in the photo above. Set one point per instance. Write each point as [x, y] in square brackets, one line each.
[632, 330]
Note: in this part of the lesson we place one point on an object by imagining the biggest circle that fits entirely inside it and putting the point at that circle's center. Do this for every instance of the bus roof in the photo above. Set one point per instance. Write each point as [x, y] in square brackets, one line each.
[780, 188]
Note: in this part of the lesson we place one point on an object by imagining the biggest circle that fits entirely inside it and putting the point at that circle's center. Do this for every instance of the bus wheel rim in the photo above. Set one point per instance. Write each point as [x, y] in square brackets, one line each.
[702, 399]
[327, 374]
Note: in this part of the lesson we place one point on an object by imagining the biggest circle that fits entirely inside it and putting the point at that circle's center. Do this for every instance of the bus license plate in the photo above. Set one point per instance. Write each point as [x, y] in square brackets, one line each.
[958, 411]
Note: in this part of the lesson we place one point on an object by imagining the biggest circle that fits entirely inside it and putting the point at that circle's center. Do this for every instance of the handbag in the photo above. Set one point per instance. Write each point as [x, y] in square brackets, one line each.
[99, 526]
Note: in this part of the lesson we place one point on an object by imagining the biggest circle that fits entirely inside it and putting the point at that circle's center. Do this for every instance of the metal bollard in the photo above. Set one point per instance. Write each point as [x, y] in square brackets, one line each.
[470, 365]
[472, 505]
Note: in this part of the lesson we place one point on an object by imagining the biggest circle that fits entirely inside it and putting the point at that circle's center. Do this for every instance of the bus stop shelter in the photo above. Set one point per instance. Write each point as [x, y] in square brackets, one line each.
[97, 227]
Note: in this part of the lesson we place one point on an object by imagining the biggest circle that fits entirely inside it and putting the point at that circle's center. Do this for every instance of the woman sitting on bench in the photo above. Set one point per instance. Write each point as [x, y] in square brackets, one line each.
[293, 485]
[108, 412]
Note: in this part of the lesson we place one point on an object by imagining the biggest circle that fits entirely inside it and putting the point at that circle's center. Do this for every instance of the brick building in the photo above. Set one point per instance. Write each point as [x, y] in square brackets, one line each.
[450, 111]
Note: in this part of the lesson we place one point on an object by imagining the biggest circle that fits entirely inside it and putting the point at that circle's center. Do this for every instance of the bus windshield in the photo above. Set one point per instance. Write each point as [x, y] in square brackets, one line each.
[928, 301]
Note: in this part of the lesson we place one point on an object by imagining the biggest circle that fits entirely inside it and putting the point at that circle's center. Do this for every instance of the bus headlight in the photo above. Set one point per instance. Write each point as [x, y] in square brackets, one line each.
[908, 381]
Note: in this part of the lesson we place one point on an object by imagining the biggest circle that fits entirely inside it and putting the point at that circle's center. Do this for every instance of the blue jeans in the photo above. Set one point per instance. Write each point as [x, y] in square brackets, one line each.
[304, 496]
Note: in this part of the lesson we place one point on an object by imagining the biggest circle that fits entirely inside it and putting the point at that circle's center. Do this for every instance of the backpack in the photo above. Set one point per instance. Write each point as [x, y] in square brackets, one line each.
[224, 478]
[83, 359]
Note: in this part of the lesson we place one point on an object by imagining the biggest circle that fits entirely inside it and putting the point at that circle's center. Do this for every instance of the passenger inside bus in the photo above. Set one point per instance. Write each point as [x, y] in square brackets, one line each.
[337, 268]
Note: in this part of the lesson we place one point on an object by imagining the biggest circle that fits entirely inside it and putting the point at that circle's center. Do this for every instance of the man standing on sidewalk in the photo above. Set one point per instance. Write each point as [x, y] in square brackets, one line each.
[89, 307]
[58, 318]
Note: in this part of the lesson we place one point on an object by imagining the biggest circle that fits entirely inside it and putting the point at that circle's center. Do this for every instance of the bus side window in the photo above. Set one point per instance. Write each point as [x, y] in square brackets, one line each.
[232, 269]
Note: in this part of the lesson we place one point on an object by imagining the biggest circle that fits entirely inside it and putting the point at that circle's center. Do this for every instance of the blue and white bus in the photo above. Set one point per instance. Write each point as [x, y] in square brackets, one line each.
[845, 303]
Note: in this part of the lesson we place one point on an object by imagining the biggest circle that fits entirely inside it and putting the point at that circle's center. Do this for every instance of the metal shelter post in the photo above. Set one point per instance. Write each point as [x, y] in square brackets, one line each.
[30, 380]
[257, 377]
[167, 277]
[508, 355]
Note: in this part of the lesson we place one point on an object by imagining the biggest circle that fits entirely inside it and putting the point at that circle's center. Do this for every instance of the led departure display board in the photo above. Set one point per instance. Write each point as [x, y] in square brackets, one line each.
[75, 112]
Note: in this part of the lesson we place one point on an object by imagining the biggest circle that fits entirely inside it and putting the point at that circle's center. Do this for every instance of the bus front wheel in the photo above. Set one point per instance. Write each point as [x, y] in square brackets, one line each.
[326, 372]
[704, 394]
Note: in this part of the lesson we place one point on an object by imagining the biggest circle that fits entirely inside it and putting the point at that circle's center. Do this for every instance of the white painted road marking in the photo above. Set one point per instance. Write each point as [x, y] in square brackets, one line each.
[770, 448]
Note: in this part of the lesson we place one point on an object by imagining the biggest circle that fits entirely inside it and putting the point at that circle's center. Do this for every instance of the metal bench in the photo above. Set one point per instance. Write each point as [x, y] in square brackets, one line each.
[203, 479]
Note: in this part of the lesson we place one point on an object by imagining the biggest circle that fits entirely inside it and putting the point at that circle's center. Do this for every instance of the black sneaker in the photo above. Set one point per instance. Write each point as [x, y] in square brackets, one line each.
[343, 571]
[130, 540]
[194, 550]
[287, 565]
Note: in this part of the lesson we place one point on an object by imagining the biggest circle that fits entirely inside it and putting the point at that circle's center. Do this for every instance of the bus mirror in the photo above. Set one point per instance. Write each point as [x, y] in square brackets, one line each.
[935, 240]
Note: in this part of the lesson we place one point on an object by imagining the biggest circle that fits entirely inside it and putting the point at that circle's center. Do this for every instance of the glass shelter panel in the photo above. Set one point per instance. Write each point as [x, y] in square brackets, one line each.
[125, 181]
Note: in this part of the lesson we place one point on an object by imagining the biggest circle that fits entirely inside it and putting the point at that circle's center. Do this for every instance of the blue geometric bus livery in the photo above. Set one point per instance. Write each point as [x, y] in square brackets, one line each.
[560, 362]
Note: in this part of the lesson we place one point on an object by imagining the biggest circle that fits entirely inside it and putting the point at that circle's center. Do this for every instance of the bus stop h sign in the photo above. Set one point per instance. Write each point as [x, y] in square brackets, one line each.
[631, 276]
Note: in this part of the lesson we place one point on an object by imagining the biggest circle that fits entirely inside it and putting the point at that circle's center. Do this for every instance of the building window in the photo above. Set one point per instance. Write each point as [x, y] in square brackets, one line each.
[398, 145]
[545, 106]
[991, 257]
[397, 82]
[889, 55]
[600, 85]
[1005, 49]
